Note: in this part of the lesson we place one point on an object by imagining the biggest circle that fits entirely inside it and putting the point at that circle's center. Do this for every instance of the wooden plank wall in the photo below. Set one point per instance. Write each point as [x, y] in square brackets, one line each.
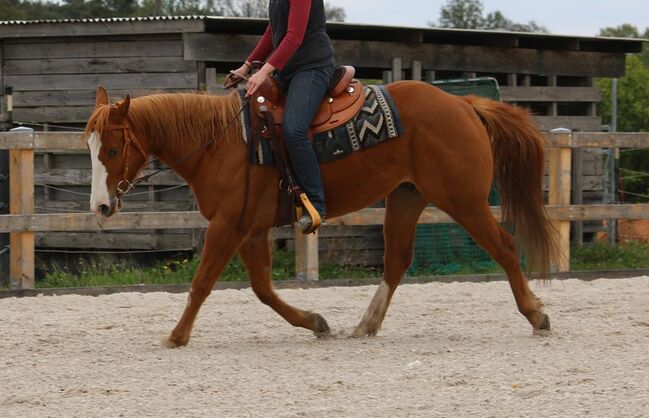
[555, 84]
[54, 81]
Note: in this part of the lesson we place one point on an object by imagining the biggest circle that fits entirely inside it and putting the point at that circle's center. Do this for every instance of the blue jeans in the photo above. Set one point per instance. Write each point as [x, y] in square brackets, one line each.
[306, 89]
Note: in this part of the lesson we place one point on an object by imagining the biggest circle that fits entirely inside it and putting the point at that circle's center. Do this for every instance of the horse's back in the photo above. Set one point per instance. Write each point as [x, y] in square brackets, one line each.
[422, 104]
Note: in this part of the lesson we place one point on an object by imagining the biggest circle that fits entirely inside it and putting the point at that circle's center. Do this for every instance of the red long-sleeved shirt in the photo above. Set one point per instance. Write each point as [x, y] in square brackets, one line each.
[298, 19]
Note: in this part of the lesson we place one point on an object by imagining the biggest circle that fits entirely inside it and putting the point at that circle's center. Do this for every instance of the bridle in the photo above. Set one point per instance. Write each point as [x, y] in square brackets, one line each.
[124, 186]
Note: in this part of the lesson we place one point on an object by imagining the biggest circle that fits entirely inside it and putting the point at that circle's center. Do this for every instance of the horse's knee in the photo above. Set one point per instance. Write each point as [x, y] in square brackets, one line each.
[198, 293]
[399, 262]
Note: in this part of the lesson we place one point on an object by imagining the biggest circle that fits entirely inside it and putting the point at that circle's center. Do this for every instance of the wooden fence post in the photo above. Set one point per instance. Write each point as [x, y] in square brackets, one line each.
[577, 193]
[306, 256]
[210, 81]
[21, 198]
[560, 182]
[416, 73]
[397, 69]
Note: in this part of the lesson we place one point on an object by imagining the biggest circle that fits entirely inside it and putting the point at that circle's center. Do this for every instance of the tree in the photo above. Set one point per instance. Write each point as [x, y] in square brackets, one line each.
[74, 9]
[633, 89]
[468, 14]
[461, 14]
[626, 30]
[633, 116]
[633, 109]
[335, 13]
[629, 31]
[245, 8]
[259, 8]
[497, 21]
[633, 97]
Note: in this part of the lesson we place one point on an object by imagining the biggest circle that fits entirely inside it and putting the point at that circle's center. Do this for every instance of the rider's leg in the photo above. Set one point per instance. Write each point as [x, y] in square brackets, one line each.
[306, 90]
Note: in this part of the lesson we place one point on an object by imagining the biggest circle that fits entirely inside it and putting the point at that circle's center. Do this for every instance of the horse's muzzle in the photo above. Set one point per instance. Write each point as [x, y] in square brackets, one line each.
[108, 210]
[105, 210]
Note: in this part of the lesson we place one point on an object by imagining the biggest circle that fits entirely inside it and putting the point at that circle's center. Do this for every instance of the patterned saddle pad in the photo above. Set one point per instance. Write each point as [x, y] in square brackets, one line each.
[376, 122]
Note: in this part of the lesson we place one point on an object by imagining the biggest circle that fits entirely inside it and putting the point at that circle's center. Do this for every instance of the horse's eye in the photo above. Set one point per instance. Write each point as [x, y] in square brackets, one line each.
[113, 152]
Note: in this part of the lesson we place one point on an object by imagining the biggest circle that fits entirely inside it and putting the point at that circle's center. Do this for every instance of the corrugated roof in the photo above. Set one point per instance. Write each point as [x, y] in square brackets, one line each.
[352, 31]
[102, 20]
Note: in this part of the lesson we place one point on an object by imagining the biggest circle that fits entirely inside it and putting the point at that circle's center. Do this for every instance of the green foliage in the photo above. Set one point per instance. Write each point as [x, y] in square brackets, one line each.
[629, 31]
[602, 256]
[25, 10]
[633, 110]
[625, 30]
[461, 14]
[598, 256]
[335, 13]
[97, 273]
[633, 97]
[468, 14]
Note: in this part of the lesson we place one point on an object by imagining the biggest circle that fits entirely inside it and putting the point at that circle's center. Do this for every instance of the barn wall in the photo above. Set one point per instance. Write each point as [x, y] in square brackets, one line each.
[55, 79]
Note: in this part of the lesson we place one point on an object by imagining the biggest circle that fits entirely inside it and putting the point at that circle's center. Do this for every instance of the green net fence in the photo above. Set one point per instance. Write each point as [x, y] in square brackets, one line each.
[447, 248]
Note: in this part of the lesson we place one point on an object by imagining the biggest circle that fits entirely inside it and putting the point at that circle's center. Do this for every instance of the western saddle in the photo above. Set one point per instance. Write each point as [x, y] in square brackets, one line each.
[344, 99]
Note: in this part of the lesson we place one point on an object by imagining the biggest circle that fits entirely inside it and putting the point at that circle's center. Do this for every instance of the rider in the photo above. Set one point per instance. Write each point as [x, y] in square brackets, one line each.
[297, 48]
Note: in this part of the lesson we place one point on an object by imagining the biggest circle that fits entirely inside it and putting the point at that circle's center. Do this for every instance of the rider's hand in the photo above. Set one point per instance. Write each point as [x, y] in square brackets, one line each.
[258, 79]
[244, 70]
[241, 73]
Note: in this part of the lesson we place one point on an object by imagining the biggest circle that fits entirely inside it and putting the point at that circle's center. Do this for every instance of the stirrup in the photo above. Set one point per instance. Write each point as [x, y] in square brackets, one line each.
[316, 221]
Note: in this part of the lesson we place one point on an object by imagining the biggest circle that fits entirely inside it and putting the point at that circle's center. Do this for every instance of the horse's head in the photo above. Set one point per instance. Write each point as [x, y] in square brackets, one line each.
[116, 153]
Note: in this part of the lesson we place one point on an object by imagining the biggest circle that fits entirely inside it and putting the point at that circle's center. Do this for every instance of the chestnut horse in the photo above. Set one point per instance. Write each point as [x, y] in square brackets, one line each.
[450, 151]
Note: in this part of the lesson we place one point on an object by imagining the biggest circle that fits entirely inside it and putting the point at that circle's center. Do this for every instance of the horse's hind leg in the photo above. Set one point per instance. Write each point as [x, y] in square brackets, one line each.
[221, 241]
[479, 222]
[402, 209]
[256, 255]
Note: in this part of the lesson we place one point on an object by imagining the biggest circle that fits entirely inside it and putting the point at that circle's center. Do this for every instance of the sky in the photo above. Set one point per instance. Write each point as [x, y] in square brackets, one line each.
[567, 17]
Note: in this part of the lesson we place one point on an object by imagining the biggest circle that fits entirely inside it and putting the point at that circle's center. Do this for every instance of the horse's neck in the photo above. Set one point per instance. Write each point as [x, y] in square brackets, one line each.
[184, 156]
[187, 162]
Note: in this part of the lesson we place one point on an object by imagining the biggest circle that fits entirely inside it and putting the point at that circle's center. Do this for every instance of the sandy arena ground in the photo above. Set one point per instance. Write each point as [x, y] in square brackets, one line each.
[445, 350]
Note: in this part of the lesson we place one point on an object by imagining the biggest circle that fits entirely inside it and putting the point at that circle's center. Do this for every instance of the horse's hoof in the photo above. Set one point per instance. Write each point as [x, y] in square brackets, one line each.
[171, 342]
[321, 327]
[542, 325]
[363, 331]
[545, 323]
[358, 333]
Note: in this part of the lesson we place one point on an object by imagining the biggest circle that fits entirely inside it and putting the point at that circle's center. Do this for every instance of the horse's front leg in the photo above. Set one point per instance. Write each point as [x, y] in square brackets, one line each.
[256, 255]
[221, 242]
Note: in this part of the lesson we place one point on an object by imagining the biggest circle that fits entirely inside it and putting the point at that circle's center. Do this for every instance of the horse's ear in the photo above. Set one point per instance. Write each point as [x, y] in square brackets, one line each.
[102, 97]
[122, 108]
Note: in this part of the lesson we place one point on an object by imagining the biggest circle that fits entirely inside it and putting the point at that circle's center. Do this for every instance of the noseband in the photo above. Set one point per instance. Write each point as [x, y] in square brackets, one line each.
[125, 185]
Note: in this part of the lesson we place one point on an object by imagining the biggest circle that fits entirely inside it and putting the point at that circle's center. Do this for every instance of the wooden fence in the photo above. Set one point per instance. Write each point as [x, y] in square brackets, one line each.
[22, 222]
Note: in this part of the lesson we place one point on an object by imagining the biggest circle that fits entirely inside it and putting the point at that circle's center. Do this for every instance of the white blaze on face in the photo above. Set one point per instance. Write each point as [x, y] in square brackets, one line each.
[99, 191]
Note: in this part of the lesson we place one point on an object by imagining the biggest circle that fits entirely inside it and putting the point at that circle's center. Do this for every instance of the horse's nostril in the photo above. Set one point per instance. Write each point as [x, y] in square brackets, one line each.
[105, 210]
